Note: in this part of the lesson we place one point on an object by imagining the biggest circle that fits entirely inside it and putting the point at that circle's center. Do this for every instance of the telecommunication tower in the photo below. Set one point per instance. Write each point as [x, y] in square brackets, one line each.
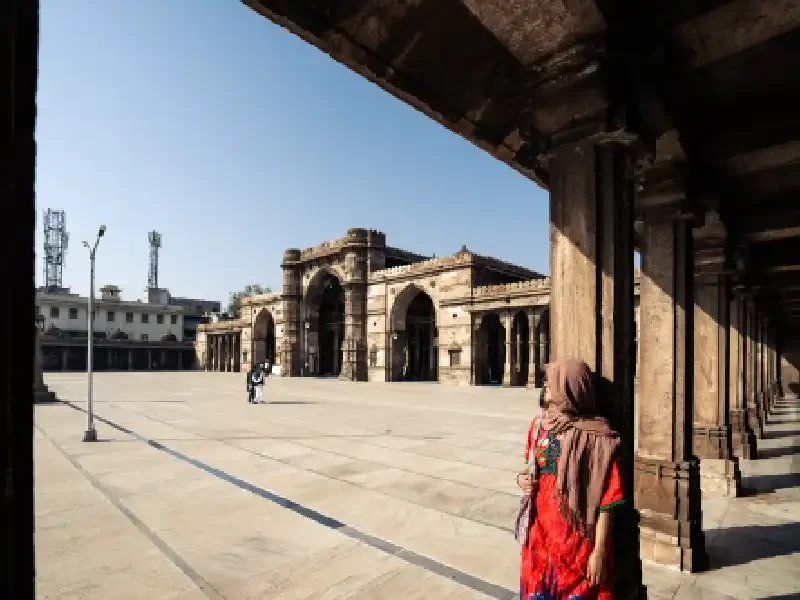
[55, 247]
[155, 243]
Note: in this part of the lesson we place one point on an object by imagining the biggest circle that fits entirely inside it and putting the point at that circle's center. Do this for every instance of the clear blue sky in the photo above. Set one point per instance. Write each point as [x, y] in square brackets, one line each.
[234, 139]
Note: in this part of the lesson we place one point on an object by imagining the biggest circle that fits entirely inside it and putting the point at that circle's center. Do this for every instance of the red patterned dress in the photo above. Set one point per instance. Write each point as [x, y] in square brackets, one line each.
[554, 559]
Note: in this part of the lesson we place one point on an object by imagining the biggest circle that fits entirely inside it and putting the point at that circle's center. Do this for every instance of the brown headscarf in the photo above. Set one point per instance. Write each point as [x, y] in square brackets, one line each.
[588, 444]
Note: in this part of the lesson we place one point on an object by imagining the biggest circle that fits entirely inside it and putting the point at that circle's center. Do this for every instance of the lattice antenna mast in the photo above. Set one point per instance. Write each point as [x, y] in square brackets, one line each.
[56, 240]
[155, 243]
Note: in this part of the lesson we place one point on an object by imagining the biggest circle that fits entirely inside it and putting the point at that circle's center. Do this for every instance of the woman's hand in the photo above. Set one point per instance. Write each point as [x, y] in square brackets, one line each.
[596, 567]
[526, 483]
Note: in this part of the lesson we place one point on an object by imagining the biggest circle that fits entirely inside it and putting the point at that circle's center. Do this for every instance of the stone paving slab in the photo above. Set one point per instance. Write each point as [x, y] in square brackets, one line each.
[335, 490]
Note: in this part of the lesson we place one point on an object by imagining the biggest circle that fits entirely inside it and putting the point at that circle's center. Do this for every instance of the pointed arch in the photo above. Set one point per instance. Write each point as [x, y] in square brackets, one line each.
[413, 336]
[263, 340]
[323, 321]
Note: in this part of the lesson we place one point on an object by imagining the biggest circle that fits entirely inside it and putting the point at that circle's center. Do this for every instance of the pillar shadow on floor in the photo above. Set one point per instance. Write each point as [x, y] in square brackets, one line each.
[770, 483]
[783, 597]
[741, 545]
[779, 452]
[773, 435]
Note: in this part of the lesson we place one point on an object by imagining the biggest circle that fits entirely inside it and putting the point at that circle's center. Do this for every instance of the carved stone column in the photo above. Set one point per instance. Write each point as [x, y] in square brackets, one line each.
[291, 355]
[354, 367]
[40, 391]
[719, 467]
[534, 317]
[764, 363]
[667, 475]
[591, 299]
[508, 322]
[751, 376]
[743, 438]
[476, 358]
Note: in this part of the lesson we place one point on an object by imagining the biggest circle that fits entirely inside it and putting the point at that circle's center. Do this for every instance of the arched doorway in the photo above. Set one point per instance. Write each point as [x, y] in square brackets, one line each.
[491, 351]
[264, 338]
[325, 318]
[414, 337]
[520, 349]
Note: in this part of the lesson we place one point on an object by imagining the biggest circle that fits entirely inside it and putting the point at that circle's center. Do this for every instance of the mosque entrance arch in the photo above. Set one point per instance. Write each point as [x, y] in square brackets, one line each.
[264, 338]
[491, 351]
[414, 337]
[325, 319]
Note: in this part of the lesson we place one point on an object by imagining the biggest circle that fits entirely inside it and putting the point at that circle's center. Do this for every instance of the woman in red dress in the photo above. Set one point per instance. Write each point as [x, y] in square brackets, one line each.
[571, 483]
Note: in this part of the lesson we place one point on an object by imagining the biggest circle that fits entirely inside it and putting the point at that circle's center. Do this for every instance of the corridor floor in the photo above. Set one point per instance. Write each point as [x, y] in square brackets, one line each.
[336, 490]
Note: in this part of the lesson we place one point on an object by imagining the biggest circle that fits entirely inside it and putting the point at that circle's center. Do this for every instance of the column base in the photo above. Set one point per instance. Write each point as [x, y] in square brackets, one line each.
[42, 395]
[721, 477]
[754, 417]
[90, 435]
[719, 468]
[669, 503]
[743, 438]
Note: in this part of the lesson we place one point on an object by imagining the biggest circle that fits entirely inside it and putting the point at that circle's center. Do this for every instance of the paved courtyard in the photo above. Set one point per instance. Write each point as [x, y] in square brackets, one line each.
[335, 490]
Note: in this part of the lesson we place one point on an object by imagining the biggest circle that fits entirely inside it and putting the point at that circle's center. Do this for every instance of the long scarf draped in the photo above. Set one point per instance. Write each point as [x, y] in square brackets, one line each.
[588, 443]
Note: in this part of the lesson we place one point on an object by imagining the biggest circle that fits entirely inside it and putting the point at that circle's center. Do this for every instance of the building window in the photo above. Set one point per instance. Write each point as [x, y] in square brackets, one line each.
[53, 312]
[173, 319]
[145, 318]
[160, 319]
[244, 356]
[129, 317]
[455, 357]
[38, 309]
[144, 335]
[73, 313]
[110, 316]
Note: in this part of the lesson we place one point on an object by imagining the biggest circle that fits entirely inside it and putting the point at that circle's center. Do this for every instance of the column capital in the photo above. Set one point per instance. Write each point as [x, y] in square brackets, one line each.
[711, 250]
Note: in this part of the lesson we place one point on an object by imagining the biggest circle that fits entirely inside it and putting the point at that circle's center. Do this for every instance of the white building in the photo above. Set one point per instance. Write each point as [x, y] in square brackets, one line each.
[142, 320]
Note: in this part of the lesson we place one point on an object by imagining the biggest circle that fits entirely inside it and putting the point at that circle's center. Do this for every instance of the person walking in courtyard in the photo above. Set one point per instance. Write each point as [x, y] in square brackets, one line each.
[571, 483]
[251, 389]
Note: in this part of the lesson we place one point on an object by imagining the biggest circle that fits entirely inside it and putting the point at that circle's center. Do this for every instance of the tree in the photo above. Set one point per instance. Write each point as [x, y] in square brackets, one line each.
[169, 337]
[118, 334]
[235, 299]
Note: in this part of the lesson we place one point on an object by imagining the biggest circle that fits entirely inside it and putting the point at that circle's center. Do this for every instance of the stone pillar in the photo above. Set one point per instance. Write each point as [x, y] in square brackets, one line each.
[765, 397]
[743, 438]
[719, 467]
[291, 355]
[542, 358]
[180, 360]
[591, 299]
[354, 367]
[40, 391]
[149, 360]
[336, 357]
[130, 359]
[64, 359]
[475, 349]
[751, 372]
[534, 317]
[508, 322]
[667, 475]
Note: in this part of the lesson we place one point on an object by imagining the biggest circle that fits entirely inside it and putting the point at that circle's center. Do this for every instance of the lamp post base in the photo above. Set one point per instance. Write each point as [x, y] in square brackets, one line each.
[90, 435]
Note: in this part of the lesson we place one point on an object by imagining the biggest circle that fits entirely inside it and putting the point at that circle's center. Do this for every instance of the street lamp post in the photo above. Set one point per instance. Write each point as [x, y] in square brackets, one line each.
[90, 435]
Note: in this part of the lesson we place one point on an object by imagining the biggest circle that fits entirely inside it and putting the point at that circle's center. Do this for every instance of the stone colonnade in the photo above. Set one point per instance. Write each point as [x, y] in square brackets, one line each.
[707, 353]
[524, 350]
[223, 352]
[72, 357]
